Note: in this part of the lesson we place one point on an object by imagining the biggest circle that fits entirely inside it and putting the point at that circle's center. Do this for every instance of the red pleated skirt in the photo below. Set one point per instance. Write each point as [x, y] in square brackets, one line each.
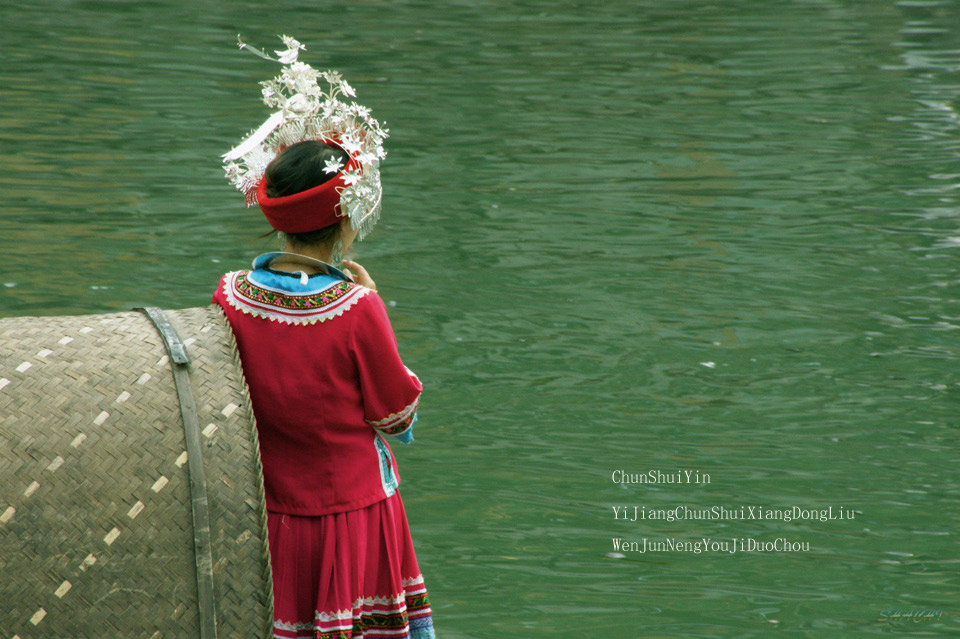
[349, 574]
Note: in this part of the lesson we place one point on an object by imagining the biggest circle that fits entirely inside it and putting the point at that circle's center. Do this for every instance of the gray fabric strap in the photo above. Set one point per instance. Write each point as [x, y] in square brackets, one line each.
[180, 363]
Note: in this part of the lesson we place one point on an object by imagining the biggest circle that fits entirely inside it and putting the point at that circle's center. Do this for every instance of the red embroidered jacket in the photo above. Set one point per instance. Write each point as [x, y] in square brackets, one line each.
[321, 360]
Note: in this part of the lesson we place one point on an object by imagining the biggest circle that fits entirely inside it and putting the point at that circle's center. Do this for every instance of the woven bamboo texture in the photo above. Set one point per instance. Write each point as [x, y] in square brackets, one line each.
[96, 531]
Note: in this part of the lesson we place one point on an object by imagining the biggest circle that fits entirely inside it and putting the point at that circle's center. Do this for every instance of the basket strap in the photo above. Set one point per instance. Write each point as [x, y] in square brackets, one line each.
[180, 363]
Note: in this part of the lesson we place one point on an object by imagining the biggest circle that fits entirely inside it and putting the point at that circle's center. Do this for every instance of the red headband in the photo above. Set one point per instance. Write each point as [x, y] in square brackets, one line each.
[305, 211]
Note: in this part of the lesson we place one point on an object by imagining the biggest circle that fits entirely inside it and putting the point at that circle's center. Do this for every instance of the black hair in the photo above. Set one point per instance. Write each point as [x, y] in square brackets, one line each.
[300, 167]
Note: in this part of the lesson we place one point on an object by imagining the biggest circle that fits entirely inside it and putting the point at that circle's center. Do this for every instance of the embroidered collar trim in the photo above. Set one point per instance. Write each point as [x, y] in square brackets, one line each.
[290, 308]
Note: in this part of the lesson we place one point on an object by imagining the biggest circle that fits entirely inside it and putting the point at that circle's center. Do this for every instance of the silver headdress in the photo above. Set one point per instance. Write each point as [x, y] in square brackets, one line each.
[304, 111]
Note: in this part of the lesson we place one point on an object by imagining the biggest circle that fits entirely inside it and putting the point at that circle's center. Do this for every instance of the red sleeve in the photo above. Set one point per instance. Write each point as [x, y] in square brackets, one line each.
[390, 390]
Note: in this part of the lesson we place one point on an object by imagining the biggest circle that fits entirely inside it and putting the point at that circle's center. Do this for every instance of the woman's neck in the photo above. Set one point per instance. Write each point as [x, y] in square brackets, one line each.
[290, 263]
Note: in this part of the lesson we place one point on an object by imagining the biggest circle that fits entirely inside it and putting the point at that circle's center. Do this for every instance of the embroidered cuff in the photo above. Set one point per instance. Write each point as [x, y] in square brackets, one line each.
[397, 422]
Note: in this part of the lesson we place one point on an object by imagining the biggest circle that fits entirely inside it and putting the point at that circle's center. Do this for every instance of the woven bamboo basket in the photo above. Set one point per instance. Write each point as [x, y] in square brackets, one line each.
[108, 528]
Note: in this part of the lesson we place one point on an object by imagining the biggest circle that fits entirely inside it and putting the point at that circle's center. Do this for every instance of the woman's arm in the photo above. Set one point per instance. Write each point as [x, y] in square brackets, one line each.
[390, 390]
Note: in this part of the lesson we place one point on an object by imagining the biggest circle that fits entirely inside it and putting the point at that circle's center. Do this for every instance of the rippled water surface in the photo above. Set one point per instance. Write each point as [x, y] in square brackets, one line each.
[616, 236]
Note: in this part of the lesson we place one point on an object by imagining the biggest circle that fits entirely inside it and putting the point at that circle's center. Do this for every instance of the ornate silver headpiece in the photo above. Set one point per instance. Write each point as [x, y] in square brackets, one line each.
[305, 111]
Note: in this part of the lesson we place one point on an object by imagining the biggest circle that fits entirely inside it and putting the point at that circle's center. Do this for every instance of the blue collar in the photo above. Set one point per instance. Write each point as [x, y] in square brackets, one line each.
[296, 282]
[264, 261]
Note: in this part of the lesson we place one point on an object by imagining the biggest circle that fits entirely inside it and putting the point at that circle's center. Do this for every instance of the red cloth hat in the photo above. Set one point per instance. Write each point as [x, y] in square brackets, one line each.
[308, 210]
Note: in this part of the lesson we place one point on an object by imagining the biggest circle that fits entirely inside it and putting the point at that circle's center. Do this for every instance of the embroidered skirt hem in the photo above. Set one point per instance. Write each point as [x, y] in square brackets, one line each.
[347, 575]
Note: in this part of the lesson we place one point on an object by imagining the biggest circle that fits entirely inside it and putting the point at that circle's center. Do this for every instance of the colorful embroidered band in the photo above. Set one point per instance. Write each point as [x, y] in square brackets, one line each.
[308, 210]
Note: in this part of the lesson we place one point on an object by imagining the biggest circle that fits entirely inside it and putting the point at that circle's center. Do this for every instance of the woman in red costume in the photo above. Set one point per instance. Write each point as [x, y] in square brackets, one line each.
[327, 385]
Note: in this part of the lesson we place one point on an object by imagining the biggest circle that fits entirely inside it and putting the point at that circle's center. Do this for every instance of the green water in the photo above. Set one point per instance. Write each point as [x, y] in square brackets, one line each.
[715, 236]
